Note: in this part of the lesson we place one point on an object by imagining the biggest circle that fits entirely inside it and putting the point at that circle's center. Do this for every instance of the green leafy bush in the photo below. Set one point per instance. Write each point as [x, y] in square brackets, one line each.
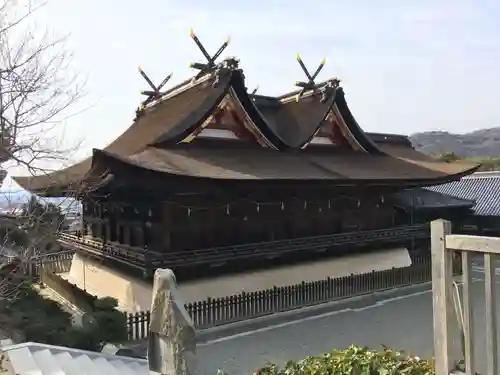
[42, 320]
[354, 360]
[109, 324]
[105, 304]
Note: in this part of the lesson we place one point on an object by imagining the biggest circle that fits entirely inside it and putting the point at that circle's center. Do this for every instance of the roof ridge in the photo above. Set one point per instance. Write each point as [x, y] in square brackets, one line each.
[293, 94]
[178, 89]
[484, 175]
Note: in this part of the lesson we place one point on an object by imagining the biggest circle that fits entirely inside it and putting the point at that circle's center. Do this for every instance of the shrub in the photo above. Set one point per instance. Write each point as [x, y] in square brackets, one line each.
[105, 323]
[42, 320]
[105, 304]
[354, 360]
[84, 338]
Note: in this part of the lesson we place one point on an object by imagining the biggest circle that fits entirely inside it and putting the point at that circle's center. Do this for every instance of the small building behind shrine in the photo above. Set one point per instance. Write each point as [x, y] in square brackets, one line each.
[483, 189]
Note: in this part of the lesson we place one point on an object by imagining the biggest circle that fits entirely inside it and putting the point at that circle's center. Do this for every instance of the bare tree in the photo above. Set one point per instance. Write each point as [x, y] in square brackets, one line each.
[38, 91]
[37, 88]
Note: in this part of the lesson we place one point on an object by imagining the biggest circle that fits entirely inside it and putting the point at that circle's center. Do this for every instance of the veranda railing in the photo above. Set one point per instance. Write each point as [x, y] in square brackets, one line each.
[446, 329]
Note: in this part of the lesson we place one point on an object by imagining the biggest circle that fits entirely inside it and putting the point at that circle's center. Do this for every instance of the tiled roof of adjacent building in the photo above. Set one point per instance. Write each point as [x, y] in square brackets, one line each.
[421, 198]
[482, 187]
[40, 359]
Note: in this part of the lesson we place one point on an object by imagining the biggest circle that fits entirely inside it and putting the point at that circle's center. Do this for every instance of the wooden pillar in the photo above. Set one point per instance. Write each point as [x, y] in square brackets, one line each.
[119, 231]
[107, 231]
[209, 229]
[94, 227]
[443, 314]
[139, 235]
[126, 233]
[165, 229]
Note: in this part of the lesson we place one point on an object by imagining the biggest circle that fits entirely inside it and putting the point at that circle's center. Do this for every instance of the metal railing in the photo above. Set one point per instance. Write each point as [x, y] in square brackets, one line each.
[142, 258]
[445, 311]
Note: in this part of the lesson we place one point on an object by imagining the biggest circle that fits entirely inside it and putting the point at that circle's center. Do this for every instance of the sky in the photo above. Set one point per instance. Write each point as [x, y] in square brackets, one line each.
[406, 66]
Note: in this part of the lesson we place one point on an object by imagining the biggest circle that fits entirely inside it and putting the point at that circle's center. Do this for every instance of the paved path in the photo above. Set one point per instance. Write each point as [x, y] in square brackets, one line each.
[404, 322]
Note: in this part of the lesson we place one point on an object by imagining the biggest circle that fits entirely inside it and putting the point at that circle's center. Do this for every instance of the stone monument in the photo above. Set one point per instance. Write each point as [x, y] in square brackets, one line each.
[171, 341]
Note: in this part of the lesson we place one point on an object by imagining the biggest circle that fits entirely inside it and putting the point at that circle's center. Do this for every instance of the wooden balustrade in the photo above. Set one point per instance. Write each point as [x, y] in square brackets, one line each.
[143, 258]
[446, 325]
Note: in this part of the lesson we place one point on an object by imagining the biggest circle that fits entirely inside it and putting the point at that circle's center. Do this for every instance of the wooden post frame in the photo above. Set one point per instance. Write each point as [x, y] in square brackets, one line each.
[442, 280]
[443, 243]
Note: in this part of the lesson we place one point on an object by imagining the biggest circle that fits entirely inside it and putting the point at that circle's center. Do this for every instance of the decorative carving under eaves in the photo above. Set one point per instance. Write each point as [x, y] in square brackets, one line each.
[226, 67]
[329, 89]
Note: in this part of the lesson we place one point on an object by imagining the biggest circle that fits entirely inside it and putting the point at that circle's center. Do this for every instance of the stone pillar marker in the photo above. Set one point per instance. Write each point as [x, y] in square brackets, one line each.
[172, 336]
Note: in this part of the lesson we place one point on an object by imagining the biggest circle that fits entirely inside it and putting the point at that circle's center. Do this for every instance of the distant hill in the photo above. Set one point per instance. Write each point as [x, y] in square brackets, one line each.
[480, 143]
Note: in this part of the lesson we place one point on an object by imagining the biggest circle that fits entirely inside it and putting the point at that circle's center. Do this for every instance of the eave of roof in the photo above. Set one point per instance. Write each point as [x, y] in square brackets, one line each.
[270, 165]
[386, 138]
[422, 198]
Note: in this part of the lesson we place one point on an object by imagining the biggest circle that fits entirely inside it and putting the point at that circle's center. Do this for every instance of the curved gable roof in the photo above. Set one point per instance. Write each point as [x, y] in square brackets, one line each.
[188, 104]
[285, 124]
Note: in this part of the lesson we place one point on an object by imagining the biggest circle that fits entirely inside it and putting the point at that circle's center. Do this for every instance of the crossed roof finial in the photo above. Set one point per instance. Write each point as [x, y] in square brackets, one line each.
[310, 84]
[156, 90]
[210, 65]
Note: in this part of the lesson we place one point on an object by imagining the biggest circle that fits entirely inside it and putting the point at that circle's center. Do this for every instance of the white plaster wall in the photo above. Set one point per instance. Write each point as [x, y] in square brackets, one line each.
[135, 294]
[132, 294]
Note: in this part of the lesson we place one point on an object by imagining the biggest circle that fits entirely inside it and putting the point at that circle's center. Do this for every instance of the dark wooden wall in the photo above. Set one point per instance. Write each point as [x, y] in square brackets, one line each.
[192, 221]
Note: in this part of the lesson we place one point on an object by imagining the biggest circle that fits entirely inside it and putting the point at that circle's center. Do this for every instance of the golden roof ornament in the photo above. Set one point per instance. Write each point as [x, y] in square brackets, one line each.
[310, 84]
[210, 65]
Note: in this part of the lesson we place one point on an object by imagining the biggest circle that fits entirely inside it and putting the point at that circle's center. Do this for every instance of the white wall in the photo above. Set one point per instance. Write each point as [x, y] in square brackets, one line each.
[135, 294]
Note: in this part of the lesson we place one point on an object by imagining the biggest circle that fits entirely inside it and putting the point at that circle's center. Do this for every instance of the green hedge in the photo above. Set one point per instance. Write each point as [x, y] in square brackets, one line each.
[42, 320]
[102, 319]
[39, 319]
[354, 360]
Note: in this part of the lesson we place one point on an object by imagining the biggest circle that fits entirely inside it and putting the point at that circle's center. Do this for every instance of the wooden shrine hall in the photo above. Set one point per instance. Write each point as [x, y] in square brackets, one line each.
[209, 168]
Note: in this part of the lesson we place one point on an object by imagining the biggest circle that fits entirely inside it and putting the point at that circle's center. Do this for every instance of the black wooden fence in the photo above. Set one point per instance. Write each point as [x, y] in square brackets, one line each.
[218, 311]
[52, 262]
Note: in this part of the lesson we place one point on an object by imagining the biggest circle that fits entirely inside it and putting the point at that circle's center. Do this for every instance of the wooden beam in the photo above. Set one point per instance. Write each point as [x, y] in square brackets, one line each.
[468, 320]
[491, 315]
[442, 297]
[479, 244]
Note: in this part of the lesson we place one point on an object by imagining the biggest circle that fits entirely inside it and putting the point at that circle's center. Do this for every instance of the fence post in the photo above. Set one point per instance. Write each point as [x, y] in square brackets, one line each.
[442, 279]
